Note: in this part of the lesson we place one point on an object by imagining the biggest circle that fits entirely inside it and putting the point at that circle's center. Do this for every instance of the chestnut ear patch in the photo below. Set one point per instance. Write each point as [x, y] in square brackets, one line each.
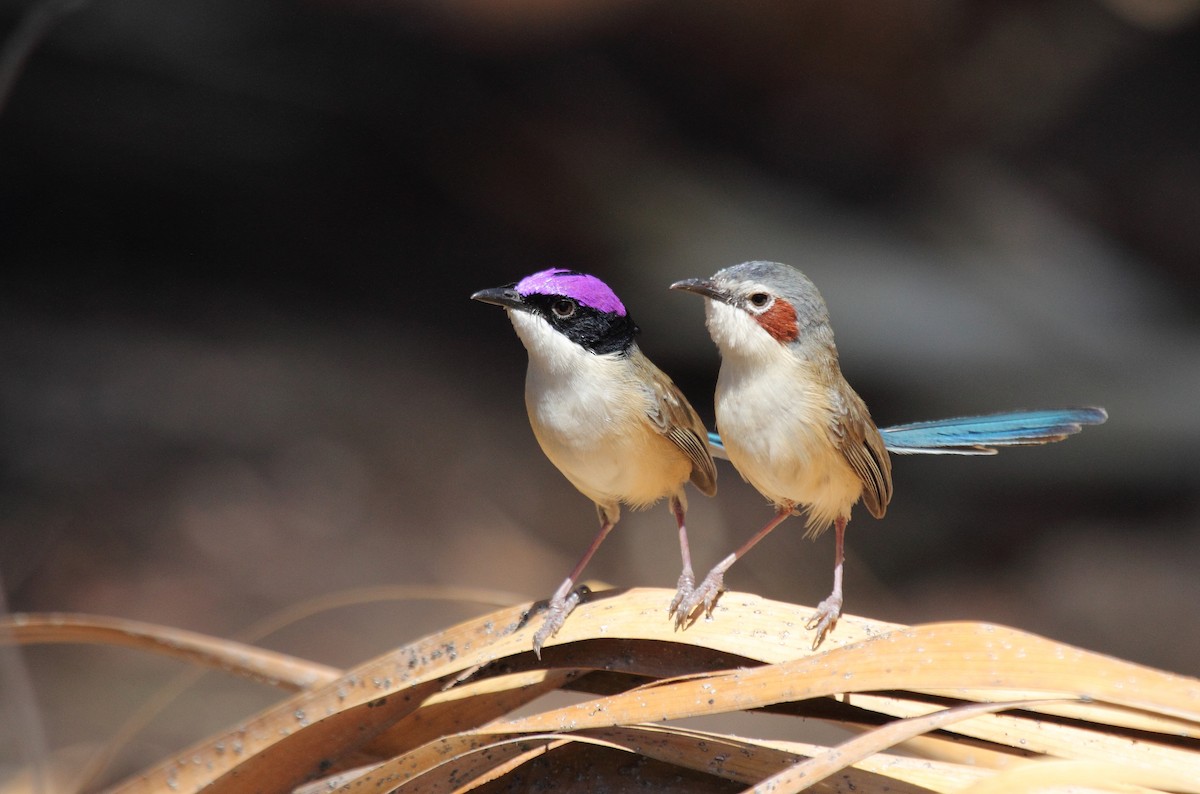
[779, 321]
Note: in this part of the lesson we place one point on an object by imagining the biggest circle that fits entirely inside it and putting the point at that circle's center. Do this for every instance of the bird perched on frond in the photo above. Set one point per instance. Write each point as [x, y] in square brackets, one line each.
[795, 429]
[611, 421]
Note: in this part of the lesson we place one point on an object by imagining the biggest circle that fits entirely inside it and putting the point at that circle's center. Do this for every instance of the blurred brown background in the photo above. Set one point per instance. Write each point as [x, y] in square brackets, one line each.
[239, 368]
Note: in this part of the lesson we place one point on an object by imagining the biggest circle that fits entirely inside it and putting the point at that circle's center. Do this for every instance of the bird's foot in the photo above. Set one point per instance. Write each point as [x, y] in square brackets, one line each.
[702, 597]
[683, 591]
[825, 618]
[556, 615]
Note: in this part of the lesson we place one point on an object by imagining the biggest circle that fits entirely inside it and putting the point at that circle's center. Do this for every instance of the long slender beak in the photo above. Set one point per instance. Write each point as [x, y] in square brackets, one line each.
[507, 297]
[702, 286]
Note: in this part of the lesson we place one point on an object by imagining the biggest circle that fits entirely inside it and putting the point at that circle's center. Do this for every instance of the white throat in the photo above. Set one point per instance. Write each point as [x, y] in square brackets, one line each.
[738, 334]
[549, 351]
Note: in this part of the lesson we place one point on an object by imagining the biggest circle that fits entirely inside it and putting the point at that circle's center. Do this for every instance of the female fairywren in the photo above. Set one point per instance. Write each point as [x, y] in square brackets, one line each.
[796, 431]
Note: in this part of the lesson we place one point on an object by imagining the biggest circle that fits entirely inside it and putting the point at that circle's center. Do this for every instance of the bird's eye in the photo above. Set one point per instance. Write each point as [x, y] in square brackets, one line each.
[760, 300]
[563, 308]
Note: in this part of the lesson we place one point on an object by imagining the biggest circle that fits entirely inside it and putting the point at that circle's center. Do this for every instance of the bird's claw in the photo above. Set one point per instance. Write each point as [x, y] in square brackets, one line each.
[825, 619]
[703, 597]
[556, 615]
[683, 591]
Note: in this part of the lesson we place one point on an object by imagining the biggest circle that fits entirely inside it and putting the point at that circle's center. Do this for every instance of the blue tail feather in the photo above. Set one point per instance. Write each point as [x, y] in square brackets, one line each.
[976, 435]
[980, 435]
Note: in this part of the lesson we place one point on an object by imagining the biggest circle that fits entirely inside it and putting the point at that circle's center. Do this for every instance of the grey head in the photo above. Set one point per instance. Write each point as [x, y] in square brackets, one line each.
[779, 297]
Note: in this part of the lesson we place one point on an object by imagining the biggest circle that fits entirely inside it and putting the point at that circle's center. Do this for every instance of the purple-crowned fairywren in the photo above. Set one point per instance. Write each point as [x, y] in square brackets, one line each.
[612, 422]
[796, 431]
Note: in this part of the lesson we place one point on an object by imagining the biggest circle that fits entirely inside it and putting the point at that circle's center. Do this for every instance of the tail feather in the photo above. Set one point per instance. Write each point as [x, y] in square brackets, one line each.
[976, 435]
[981, 435]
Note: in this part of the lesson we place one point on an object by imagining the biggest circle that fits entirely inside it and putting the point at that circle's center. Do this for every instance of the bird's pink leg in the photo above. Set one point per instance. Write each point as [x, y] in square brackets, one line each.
[687, 579]
[565, 599]
[714, 583]
[829, 610]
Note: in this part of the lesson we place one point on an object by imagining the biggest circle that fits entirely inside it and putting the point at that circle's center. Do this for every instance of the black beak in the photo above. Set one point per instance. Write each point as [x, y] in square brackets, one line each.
[507, 297]
[702, 286]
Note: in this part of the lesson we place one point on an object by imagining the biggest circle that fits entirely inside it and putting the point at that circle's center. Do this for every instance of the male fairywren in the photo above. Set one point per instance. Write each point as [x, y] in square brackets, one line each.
[612, 422]
[796, 431]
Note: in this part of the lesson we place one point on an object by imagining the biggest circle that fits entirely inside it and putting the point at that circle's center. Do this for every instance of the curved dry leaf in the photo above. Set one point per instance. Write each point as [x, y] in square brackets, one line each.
[955, 749]
[740, 760]
[478, 764]
[585, 767]
[742, 624]
[1093, 712]
[339, 717]
[735, 759]
[314, 732]
[835, 759]
[465, 707]
[456, 769]
[1082, 739]
[965, 656]
[268, 667]
[928, 775]
[731, 760]
[437, 658]
[1096, 775]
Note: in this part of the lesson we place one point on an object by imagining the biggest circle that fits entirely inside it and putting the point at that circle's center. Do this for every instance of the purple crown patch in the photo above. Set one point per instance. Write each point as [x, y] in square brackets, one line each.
[588, 290]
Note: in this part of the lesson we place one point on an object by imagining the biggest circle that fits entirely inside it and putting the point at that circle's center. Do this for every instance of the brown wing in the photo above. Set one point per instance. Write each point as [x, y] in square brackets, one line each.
[670, 412]
[860, 443]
